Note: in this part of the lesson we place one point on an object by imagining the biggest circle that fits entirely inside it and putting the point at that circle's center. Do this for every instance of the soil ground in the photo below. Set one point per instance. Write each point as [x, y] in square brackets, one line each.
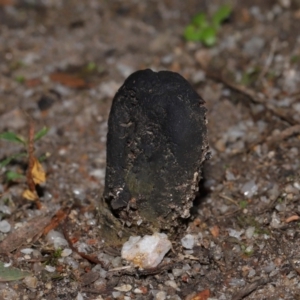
[61, 62]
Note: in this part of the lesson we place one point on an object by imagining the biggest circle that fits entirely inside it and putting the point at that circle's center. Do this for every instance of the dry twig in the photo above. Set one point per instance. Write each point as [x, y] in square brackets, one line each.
[31, 160]
[256, 98]
[293, 130]
[250, 288]
[90, 258]
[269, 60]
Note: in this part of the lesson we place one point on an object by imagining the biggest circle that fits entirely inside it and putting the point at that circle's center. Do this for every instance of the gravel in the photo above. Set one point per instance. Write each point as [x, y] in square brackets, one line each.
[250, 187]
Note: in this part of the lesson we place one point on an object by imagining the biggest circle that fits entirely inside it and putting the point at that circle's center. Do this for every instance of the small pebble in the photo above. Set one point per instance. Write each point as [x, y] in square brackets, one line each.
[79, 296]
[57, 239]
[280, 207]
[3, 208]
[66, 252]
[91, 222]
[26, 251]
[116, 262]
[249, 232]
[269, 268]
[188, 241]
[31, 282]
[167, 59]
[100, 270]
[172, 284]
[48, 285]
[79, 194]
[229, 176]
[297, 185]
[138, 291]
[275, 222]
[274, 273]
[71, 262]
[186, 267]
[249, 188]
[5, 226]
[177, 272]
[124, 288]
[98, 173]
[83, 247]
[124, 70]
[146, 252]
[50, 269]
[235, 233]
[291, 189]
[251, 273]
[237, 282]
[160, 295]
[116, 294]
[249, 249]
[100, 284]
[198, 77]
[105, 258]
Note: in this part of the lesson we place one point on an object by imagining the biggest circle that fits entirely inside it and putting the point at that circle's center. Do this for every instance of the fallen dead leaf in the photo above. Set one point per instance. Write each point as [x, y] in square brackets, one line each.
[29, 195]
[204, 295]
[7, 2]
[37, 172]
[31, 83]
[22, 235]
[89, 278]
[68, 80]
[9, 273]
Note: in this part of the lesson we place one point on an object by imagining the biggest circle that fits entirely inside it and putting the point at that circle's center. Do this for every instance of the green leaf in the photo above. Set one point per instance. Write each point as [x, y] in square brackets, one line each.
[11, 274]
[200, 21]
[12, 176]
[6, 161]
[191, 33]
[44, 156]
[41, 133]
[12, 137]
[221, 15]
[20, 79]
[91, 66]
[243, 204]
[208, 36]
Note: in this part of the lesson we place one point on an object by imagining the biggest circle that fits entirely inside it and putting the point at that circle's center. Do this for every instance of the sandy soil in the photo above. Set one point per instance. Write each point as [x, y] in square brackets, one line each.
[61, 62]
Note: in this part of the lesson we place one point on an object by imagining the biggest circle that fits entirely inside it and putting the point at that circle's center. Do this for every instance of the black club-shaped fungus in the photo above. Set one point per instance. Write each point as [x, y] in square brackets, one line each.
[156, 144]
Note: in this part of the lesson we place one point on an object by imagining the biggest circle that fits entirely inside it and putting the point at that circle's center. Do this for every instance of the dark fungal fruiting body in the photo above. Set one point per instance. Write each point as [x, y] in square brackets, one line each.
[156, 145]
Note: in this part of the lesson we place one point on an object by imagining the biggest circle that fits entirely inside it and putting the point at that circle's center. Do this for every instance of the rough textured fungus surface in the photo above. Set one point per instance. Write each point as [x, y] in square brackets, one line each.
[156, 144]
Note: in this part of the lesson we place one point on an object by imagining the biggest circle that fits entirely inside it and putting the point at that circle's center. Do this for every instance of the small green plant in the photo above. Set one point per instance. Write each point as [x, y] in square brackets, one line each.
[20, 79]
[205, 30]
[91, 66]
[53, 258]
[57, 253]
[295, 59]
[243, 204]
[250, 76]
[247, 250]
[15, 138]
